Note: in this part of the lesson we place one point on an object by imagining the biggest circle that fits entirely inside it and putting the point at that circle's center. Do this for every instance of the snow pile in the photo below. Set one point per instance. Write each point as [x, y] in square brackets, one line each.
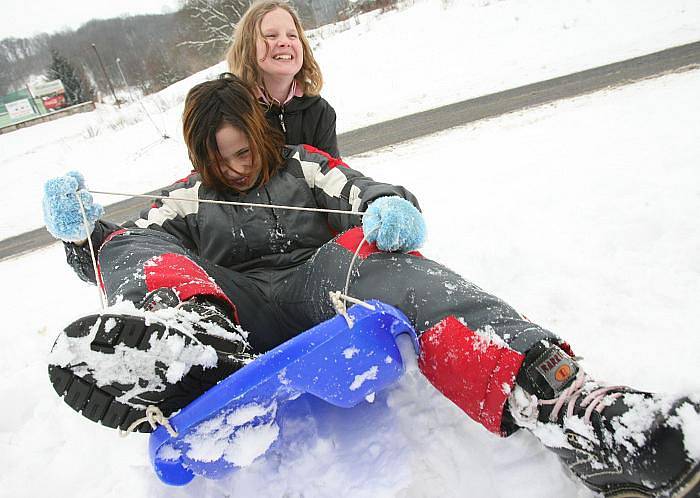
[487, 336]
[629, 429]
[360, 379]
[190, 322]
[689, 420]
[442, 51]
[348, 353]
[554, 436]
[238, 437]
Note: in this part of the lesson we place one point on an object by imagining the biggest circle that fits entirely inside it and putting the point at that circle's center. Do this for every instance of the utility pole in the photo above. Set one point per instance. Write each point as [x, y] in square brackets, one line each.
[128, 88]
[162, 134]
[109, 82]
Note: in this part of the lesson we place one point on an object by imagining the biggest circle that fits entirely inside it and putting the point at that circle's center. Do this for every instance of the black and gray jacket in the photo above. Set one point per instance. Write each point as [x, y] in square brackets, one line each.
[306, 120]
[242, 238]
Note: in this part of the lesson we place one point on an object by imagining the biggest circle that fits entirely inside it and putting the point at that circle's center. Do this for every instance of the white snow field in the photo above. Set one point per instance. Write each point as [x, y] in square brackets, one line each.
[583, 214]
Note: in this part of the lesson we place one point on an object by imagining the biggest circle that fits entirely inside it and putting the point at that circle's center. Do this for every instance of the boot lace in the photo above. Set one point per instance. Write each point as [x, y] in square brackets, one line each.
[526, 411]
[596, 400]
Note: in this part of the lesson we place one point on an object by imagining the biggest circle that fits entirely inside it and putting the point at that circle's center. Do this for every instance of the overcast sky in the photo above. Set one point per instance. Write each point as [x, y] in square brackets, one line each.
[24, 18]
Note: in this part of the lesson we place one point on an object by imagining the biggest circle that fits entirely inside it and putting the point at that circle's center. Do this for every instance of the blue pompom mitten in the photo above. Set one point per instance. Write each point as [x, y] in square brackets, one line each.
[61, 209]
[394, 224]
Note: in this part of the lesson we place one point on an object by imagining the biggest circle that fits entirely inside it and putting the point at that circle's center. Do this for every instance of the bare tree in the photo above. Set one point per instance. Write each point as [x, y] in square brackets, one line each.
[214, 20]
[154, 50]
[147, 46]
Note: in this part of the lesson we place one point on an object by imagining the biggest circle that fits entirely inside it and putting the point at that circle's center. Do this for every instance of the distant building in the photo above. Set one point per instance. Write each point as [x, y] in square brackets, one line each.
[31, 102]
[17, 106]
[51, 93]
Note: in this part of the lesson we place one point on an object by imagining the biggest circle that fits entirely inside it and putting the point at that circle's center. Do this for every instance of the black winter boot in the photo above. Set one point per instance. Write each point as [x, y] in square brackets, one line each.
[212, 320]
[112, 366]
[618, 441]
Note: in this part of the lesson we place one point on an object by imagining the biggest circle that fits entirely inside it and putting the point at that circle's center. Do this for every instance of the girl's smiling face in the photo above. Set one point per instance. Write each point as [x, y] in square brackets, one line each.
[279, 51]
[236, 160]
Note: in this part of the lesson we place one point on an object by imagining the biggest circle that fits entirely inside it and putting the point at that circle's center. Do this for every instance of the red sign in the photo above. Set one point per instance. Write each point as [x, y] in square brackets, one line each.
[54, 102]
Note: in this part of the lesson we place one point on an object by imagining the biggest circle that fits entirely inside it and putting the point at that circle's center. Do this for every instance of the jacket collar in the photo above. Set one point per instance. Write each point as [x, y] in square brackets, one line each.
[295, 90]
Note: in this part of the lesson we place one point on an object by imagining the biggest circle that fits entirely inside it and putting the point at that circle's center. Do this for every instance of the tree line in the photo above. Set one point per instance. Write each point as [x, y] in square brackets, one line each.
[148, 46]
[154, 51]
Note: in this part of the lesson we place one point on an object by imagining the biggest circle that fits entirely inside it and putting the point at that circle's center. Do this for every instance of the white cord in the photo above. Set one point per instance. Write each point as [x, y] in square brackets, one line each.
[232, 203]
[340, 299]
[103, 302]
[154, 417]
[336, 296]
[352, 261]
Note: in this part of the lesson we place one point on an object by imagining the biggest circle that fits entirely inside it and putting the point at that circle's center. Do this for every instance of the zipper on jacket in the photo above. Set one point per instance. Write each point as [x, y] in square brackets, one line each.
[277, 234]
[281, 116]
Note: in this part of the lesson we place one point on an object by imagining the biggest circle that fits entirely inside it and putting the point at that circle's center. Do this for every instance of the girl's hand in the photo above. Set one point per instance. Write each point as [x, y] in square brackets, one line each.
[394, 224]
[62, 214]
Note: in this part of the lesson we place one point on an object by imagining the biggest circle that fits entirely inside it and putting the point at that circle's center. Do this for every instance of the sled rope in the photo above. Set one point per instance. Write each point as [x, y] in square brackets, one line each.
[103, 302]
[231, 203]
[340, 299]
[354, 258]
[154, 417]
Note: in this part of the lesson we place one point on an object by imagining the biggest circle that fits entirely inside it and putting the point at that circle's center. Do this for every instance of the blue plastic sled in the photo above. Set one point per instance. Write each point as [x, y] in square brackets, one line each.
[339, 364]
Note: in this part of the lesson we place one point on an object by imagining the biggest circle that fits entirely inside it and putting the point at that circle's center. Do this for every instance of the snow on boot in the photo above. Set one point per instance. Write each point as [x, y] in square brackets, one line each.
[211, 321]
[617, 440]
[112, 366]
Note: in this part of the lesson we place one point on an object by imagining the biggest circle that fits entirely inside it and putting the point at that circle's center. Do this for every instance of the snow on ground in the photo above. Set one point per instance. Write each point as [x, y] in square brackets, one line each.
[434, 53]
[445, 51]
[581, 213]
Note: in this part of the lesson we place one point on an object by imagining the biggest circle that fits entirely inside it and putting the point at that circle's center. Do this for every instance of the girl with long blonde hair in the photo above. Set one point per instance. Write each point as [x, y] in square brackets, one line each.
[271, 53]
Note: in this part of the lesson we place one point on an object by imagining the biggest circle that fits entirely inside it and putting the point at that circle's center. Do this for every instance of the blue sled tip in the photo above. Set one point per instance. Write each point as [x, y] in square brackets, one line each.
[339, 364]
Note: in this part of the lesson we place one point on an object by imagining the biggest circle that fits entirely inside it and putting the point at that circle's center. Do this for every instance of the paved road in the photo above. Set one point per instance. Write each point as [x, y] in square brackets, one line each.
[442, 118]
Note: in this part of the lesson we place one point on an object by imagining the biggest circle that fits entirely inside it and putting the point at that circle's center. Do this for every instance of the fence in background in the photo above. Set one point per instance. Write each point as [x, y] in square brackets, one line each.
[75, 109]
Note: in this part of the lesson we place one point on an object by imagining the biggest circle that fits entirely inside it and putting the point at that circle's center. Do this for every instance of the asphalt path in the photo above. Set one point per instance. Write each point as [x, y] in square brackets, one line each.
[424, 123]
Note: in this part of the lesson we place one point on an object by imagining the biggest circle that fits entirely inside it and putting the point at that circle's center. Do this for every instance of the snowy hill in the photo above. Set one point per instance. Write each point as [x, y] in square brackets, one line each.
[582, 214]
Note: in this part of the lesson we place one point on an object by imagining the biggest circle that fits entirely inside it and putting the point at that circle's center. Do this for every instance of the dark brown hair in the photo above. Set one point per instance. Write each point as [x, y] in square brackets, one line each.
[227, 100]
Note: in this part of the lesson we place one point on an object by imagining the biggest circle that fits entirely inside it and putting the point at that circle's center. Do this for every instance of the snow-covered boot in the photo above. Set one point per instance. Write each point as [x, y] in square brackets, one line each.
[112, 366]
[617, 440]
[212, 320]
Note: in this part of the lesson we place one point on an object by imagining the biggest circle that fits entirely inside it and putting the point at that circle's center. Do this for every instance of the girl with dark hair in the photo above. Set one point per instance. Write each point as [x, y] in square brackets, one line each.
[197, 288]
[271, 54]
[209, 128]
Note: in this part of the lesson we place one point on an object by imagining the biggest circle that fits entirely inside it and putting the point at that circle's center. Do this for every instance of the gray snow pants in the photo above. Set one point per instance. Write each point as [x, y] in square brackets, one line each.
[456, 320]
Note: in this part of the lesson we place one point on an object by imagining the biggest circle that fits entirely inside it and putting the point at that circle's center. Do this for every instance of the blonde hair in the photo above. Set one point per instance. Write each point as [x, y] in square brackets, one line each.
[242, 53]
